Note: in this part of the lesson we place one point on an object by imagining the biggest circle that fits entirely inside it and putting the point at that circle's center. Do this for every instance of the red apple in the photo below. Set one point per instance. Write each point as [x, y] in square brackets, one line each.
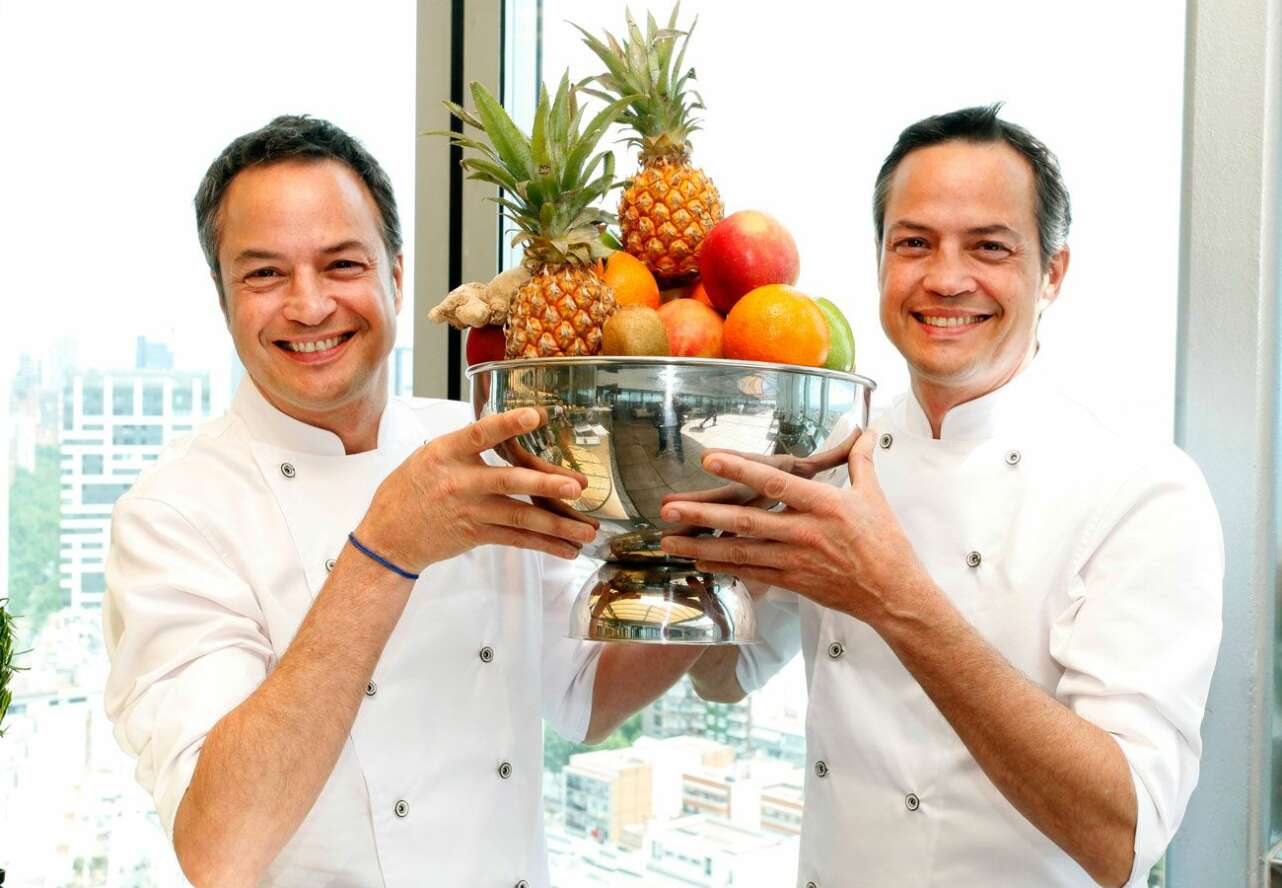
[743, 251]
[484, 344]
[694, 330]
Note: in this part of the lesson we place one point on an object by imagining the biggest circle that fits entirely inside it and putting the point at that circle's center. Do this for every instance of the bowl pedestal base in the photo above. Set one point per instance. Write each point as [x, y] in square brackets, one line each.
[663, 602]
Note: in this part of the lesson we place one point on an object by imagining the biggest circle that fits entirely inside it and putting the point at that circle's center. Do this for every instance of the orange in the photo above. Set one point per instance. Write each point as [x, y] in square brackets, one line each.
[779, 324]
[700, 294]
[631, 281]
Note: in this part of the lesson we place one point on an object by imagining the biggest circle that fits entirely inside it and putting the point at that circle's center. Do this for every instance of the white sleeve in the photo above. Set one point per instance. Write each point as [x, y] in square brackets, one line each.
[1139, 640]
[186, 642]
[779, 628]
[569, 665]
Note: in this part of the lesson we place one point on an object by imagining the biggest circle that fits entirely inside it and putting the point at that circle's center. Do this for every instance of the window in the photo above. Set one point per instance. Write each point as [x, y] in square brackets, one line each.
[93, 399]
[122, 398]
[802, 139]
[128, 299]
[153, 399]
[182, 401]
[137, 434]
[103, 494]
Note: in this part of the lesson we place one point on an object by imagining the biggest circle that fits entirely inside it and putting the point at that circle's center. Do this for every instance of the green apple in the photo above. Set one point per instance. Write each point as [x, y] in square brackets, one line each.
[841, 350]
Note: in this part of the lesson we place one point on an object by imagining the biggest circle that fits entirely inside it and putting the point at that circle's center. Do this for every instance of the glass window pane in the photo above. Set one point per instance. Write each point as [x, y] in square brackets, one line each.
[802, 137]
[153, 399]
[122, 398]
[92, 399]
[126, 111]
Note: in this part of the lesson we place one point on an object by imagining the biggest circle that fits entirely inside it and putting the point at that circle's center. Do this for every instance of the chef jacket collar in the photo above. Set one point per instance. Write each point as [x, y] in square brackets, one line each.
[987, 416]
[268, 424]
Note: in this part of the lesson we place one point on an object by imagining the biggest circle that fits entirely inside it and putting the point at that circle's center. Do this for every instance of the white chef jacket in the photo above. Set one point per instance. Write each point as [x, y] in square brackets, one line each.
[1093, 563]
[217, 554]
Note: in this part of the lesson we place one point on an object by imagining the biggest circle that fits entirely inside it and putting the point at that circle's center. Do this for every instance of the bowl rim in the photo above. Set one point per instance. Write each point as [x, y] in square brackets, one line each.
[658, 361]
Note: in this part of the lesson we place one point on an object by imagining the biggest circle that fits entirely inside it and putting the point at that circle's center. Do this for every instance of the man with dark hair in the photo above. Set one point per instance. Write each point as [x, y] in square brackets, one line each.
[1011, 615]
[333, 627]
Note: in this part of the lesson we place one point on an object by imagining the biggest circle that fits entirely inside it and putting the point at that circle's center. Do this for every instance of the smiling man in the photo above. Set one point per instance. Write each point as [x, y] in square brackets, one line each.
[1011, 615]
[334, 630]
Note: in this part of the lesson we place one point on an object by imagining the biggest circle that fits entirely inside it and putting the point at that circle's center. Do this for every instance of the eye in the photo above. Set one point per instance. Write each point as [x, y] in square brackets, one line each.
[263, 273]
[911, 244]
[346, 265]
[993, 248]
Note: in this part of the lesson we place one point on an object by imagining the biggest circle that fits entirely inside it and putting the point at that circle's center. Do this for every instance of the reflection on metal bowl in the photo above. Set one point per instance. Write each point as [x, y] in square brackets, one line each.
[637, 428]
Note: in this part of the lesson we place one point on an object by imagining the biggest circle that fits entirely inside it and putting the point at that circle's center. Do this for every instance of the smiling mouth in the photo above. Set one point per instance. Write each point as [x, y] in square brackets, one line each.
[947, 322]
[316, 345]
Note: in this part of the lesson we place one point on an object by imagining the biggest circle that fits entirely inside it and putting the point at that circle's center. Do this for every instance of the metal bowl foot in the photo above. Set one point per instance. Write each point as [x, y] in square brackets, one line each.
[670, 603]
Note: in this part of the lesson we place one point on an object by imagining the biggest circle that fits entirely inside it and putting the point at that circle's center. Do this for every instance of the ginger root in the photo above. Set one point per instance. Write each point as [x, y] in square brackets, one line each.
[476, 305]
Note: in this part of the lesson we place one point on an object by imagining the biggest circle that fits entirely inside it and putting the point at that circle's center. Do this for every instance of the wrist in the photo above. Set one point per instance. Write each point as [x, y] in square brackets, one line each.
[917, 613]
[377, 538]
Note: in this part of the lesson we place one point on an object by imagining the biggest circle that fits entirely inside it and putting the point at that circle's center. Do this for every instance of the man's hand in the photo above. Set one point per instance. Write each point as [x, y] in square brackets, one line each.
[444, 500]
[842, 548]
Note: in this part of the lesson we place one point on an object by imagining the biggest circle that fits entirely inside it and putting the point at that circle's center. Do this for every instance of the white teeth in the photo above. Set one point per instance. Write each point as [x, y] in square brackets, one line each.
[322, 345]
[933, 321]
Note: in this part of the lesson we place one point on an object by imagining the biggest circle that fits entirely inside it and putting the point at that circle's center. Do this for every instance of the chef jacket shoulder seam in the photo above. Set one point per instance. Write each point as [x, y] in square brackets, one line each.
[1122, 498]
[185, 520]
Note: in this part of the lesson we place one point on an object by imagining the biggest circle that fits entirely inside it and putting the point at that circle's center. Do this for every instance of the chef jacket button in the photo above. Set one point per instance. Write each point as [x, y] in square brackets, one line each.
[973, 559]
[522, 884]
[329, 565]
[886, 440]
[505, 770]
[821, 768]
[287, 469]
[911, 802]
[812, 884]
[370, 689]
[486, 654]
[836, 649]
[1012, 458]
[402, 808]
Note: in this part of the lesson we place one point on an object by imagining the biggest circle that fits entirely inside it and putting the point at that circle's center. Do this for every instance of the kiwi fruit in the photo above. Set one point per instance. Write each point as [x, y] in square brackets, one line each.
[634, 330]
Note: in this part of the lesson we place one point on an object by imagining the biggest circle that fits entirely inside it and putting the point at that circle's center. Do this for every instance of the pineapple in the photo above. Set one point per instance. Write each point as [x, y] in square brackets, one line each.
[669, 206]
[549, 190]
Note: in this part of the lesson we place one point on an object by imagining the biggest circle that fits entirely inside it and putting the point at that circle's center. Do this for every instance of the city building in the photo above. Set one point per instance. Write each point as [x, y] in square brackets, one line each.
[784, 740]
[32, 411]
[113, 426]
[682, 712]
[605, 792]
[712, 853]
[781, 806]
[733, 791]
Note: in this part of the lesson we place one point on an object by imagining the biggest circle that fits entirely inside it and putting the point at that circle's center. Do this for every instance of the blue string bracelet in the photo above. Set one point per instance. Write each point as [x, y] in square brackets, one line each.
[380, 559]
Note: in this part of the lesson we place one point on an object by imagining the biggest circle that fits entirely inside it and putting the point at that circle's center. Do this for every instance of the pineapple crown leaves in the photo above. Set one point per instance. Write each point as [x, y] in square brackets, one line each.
[650, 67]
[7, 653]
[550, 179]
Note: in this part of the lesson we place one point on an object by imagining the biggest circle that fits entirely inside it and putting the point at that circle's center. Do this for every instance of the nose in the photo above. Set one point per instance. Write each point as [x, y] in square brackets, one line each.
[306, 301]
[947, 274]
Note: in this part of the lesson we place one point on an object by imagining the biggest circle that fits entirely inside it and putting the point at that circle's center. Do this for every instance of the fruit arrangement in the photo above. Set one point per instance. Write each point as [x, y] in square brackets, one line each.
[680, 279]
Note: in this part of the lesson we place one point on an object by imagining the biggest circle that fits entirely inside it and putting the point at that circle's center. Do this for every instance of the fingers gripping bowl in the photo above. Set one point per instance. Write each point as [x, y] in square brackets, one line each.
[637, 428]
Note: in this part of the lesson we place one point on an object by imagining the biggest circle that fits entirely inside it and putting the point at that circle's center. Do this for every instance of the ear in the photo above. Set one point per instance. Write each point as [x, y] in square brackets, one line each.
[398, 279]
[1053, 279]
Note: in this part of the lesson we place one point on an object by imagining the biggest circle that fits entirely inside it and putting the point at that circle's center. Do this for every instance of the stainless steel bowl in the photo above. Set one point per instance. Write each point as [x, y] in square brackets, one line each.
[638, 428]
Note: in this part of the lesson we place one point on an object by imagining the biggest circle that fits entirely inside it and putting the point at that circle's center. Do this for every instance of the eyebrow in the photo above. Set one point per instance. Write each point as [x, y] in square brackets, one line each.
[997, 228]
[342, 246]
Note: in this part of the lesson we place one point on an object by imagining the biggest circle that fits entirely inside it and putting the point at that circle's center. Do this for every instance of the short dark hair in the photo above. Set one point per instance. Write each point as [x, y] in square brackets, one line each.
[981, 124]
[291, 137]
